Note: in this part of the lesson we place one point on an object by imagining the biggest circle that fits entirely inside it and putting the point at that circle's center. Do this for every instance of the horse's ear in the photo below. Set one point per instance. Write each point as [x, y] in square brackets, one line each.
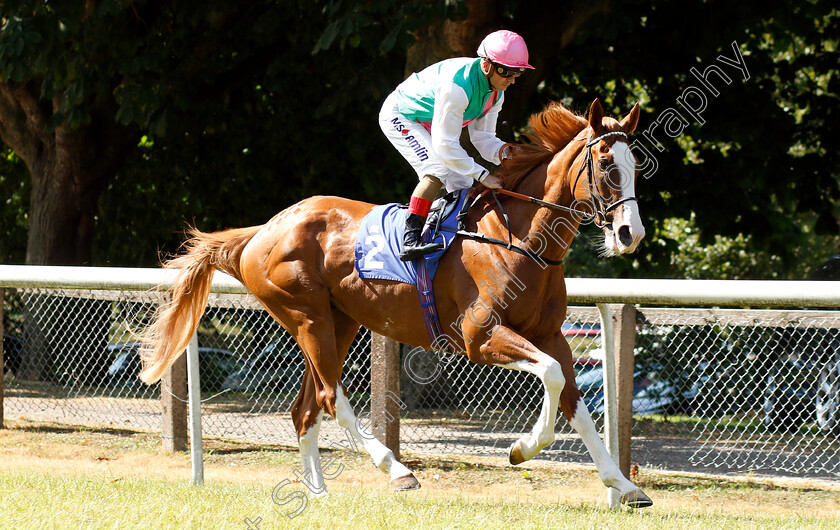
[596, 114]
[628, 124]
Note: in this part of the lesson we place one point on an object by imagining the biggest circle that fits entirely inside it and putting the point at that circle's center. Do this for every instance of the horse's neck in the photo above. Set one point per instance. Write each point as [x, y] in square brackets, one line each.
[554, 229]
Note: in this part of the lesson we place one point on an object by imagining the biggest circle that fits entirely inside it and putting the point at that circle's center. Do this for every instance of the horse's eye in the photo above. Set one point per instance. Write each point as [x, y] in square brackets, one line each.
[603, 163]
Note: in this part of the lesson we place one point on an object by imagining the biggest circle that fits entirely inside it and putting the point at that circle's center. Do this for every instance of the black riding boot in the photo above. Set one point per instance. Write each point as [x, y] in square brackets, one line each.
[413, 247]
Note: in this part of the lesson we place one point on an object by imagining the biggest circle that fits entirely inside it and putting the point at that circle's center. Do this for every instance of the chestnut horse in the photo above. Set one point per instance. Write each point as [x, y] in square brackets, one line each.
[508, 307]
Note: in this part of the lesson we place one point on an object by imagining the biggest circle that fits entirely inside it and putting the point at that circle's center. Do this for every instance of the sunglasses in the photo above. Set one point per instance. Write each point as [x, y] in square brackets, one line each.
[504, 71]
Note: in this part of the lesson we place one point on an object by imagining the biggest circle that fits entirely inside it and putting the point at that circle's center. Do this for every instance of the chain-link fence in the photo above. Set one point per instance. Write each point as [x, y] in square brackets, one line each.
[714, 390]
[73, 356]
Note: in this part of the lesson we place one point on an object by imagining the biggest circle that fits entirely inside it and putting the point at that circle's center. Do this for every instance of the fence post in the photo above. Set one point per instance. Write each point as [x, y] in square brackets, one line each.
[2, 353]
[618, 333]
[385, 391]
[194, 398]
[173, 397]
[624, 329]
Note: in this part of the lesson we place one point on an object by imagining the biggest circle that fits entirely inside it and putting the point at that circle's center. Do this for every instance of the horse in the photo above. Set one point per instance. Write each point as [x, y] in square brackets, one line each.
[507, 306]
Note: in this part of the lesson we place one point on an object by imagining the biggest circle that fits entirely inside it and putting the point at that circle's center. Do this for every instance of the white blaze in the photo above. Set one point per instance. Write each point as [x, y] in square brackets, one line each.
[628, 213]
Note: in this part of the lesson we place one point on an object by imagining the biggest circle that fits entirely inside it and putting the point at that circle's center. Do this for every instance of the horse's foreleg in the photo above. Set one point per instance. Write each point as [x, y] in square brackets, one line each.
[401, 477]
[612, 477]
[508, 349]
[542, 434]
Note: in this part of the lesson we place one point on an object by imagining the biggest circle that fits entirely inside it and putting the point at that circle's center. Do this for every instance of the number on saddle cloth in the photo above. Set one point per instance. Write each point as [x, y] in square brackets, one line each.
[380, 238]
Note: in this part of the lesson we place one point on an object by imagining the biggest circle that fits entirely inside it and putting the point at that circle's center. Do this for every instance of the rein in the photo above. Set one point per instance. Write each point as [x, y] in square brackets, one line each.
[598, 199]
[598, 203]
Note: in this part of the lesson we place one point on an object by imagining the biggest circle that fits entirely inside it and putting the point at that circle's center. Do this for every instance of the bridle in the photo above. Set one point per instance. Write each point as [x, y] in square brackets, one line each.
[598, 201]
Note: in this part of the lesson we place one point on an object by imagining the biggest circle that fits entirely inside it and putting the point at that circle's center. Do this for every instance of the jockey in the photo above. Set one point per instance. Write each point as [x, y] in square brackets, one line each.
[424, 116]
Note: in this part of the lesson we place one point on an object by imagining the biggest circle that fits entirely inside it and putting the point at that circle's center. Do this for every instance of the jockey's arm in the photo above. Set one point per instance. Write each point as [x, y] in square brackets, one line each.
[450, 104]
[483, 133]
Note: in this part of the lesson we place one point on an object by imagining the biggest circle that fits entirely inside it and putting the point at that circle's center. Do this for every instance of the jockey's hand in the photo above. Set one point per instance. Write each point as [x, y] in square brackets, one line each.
[493, 181]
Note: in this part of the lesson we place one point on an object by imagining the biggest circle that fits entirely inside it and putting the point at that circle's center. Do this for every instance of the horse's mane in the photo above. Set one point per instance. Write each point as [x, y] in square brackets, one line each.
[551, 130]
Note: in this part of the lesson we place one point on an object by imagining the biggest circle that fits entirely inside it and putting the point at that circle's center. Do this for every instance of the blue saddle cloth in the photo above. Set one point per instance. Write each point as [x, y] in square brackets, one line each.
[380, 238]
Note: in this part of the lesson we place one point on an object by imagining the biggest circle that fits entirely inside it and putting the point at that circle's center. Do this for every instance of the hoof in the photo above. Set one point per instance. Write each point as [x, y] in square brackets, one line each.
[515, 454]
[406, 483]
[636, 499]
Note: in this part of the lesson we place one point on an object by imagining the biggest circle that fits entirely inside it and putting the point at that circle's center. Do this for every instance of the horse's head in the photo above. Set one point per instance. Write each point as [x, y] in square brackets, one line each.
[606, 180]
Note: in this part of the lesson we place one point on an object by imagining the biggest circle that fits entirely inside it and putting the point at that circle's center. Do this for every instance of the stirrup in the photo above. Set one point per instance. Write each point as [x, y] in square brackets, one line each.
[417, 252]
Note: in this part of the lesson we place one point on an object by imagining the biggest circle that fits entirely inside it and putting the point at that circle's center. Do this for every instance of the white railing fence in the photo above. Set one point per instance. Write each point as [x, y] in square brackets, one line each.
[740, 388]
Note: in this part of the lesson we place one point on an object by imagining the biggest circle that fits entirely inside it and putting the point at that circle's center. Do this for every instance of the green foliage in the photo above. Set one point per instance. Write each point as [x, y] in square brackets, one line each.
[757, 179]
[248, 107]
[278, 124]
[14, 189]
[737, 257]
[674, 248]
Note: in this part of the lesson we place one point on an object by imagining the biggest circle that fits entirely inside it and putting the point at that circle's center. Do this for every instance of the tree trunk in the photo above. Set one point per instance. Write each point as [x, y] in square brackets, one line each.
[69, 167]
[453, 38]
[63, 203]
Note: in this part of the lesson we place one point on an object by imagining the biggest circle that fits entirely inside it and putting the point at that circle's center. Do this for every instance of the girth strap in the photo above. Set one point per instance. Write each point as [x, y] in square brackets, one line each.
[427, 303]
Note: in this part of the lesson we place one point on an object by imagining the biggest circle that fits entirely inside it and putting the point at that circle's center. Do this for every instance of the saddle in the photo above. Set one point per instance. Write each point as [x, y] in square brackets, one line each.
[442, 208]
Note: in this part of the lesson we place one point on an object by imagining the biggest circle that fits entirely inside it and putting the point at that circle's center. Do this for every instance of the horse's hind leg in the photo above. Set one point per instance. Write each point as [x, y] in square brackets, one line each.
[308, 406]
[306, 415]
[401, 477]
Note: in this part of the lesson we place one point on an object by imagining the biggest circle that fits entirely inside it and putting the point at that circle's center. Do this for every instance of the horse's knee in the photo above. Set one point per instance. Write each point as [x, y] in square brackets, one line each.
[554, 379]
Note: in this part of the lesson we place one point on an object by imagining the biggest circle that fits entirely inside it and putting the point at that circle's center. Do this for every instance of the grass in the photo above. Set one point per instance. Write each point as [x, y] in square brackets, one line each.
[52, 476]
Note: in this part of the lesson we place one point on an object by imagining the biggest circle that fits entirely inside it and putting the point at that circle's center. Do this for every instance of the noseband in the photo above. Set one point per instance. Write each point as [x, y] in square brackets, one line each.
[599, 202]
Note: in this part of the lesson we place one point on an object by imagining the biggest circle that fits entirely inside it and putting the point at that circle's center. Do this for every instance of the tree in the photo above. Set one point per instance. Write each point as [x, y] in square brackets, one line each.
[217, 113]
[56, 113]
[234, 111]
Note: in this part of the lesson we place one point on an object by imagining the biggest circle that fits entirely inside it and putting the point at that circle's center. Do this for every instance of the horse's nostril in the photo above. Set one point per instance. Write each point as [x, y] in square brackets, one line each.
[624, 235]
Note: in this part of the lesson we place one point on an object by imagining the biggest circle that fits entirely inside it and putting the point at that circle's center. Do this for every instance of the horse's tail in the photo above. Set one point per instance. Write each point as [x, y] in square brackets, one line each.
[179, 314]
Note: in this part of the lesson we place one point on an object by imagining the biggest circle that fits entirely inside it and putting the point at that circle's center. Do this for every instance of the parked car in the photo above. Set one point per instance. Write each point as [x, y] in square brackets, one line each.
[590, 382]
[583, 338]
[575, 329]
[214, 365]
[277, 368]
[804, 380]
[674, 395]
[790, 395]
[12, 354]
[828, 396]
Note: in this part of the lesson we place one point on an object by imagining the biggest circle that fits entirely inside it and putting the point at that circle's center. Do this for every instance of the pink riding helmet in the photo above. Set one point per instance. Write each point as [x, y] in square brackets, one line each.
[505, 48]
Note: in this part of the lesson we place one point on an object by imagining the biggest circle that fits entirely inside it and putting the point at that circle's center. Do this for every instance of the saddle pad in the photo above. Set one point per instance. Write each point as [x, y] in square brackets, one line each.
[379, 243]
